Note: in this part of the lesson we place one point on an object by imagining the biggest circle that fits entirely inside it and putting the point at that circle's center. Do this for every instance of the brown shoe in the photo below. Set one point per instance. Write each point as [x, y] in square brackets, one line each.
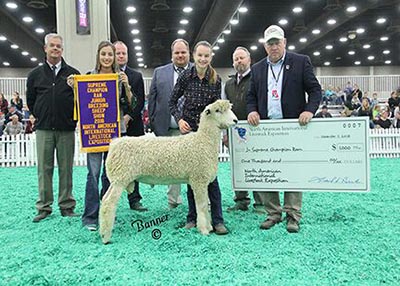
[68, 212]
[189, 225]
[292, 225]
[268, 223]
[41, 215]
[220, 229]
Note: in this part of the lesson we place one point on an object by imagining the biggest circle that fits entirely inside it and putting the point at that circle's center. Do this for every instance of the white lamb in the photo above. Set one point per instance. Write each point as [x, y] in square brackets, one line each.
[189, 159]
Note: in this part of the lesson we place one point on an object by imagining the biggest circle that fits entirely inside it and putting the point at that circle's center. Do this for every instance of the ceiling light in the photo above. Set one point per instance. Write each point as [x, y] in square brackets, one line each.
[351, 53]
[283, 22]
[138, 48]
[360, 30]
[33, 59]
[139, 59]
[14, 46]
[6, 64]
[40, 64]
[11, 5]
[316, 31]
[303, 40]
[135, 31]
[221, 40]
[216, 48]
[39, 30]
[292, 47]
[384, 38]
[139, 54]
[386, 52]
[187, 9]
[130, 9]
[132, 21]
[316, 53]
[343, 39]
[136, 40]
[234, 20]
[243, 9]
[366, 46]
[253, 47]
[388, 62]
[184, 22]
[261, 40]
[351, 9]
[331, 21]
[329, 47]
[27, 19]
[357, 63]
[24, 53]
[3, 38]
[227, 30]
[181, 32]
[327, 63]
[381, 20]
[297, 10]
[371, 58]
[141, 65]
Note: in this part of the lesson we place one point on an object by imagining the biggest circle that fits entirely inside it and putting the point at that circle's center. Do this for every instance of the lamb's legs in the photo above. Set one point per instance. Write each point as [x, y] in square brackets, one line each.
[107, 211]
[201, 200]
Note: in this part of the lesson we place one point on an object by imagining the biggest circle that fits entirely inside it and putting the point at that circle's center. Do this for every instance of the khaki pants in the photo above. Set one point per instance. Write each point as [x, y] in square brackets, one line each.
[292, 204]
[63, 142]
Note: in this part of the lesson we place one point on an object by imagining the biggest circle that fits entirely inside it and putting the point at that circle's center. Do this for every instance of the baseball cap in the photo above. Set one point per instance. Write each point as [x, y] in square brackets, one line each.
[273, 32]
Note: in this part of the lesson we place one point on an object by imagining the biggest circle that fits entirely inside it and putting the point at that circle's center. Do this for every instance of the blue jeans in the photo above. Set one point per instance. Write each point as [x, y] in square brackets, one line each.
[95, 162]
[214, 194]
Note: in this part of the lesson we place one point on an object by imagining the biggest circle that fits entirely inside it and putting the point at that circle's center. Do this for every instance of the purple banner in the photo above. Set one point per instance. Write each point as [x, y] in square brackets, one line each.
[98, 114]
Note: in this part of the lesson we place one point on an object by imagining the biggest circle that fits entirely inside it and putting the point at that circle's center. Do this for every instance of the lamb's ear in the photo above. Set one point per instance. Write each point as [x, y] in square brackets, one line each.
[208, 111]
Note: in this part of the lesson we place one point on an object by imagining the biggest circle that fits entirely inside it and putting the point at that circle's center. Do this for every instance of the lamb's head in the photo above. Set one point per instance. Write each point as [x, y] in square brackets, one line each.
[221, 113]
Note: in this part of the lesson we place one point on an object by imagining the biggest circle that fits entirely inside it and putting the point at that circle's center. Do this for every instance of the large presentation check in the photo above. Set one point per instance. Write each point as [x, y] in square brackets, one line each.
[280, 155]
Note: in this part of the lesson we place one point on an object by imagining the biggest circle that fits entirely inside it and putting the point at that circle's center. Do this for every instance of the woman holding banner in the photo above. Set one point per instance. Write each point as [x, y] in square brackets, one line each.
[106, 63]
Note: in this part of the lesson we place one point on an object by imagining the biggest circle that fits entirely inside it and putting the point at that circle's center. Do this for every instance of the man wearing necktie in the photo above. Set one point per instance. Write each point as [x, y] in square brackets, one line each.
[235, 91]
[51, 101]
[278, 88]
[162, 84]
[132, 117]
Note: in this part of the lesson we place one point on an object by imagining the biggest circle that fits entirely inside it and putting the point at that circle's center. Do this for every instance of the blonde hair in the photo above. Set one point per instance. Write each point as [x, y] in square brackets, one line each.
[213, 72]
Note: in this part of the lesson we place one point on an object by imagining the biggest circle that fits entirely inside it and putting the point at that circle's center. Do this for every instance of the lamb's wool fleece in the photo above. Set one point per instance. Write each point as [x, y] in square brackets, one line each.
[190, 159]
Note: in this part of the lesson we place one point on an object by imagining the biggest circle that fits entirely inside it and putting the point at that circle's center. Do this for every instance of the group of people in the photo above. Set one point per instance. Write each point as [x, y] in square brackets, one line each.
[274, 88]
[14, 117]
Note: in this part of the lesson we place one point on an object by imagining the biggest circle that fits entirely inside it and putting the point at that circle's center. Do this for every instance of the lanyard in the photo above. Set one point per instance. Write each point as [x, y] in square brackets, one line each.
[276, 79]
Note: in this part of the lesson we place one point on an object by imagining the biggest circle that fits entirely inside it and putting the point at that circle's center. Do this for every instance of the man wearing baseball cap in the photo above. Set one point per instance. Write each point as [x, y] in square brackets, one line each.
[278, 87]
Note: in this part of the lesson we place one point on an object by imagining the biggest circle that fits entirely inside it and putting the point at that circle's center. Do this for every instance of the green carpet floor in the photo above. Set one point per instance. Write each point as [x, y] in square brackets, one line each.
[345, 239]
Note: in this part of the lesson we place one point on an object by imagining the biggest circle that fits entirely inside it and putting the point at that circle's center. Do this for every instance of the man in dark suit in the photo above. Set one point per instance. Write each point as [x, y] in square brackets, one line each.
[132, 117]
[162, 84]
[277, 90]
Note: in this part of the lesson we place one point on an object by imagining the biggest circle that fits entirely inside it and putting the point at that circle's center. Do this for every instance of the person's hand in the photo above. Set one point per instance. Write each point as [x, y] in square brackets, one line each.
[123, 77]
[253, 118]
[70, 80]
[184, 127]
[127, 119]
[305, 117]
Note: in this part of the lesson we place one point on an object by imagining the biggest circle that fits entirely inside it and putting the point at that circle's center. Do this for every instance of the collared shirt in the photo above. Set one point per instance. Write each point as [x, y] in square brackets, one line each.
[173, 123]
[239, 77]
[198, 93]
[275, 76]
[58, 66]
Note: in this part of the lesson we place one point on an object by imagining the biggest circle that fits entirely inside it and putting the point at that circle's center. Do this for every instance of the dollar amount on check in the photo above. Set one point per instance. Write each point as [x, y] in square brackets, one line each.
[280, 155]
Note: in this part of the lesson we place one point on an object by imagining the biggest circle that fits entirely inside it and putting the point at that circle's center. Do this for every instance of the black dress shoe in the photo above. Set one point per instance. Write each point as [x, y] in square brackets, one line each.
[41, 215]
[68, 212]
[138, 207]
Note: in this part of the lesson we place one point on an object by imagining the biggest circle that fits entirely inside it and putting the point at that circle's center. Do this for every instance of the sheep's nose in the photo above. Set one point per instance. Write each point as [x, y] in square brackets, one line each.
[235, 120]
